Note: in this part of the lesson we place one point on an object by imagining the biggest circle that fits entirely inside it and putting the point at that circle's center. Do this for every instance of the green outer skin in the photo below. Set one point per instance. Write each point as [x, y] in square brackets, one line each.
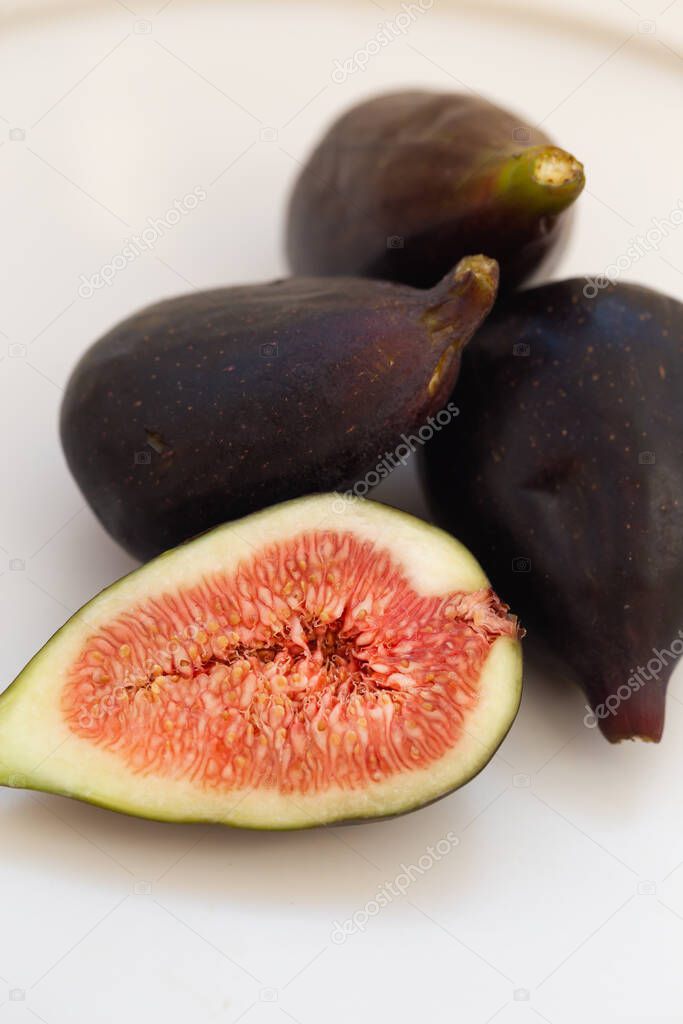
[13, 691]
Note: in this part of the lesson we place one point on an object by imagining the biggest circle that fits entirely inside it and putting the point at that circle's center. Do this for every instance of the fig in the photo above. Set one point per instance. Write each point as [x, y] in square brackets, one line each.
[405, 184]
[564, 474]
[207, 407]
[323, 660]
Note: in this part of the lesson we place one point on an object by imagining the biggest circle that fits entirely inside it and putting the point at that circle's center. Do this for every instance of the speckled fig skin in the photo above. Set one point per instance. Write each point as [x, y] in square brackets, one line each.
[564, 475]
[209, 406]
[405, 184]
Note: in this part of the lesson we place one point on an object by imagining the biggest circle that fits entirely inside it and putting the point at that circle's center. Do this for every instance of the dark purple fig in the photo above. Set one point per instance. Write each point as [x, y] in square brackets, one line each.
[212, 405]
[564, 475]
[404, 185]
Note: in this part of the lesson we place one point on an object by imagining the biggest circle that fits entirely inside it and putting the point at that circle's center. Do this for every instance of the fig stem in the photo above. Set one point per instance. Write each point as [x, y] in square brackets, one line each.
[461, 300]
[542, 179]
[456, 307]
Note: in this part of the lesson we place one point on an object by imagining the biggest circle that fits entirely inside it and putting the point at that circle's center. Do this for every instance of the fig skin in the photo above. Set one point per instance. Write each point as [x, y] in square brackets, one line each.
[563, 473]
[207, 407]
[405, 184]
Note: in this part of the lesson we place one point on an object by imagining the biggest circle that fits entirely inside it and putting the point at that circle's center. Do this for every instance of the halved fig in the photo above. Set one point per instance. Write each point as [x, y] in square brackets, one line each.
[323, 660]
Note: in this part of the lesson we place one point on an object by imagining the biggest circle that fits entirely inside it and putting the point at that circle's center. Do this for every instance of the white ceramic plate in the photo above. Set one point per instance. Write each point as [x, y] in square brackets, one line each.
[561, 899]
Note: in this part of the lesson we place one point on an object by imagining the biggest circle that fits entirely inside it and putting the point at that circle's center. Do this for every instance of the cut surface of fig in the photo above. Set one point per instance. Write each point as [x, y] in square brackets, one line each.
[323, 660]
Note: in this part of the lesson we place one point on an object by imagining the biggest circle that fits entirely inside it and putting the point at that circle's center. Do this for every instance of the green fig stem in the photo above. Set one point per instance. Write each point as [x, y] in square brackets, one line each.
[540, 179]
[456, 307]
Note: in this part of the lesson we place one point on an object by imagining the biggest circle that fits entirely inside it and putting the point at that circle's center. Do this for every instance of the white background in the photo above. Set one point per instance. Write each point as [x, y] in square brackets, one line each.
[563, 899]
